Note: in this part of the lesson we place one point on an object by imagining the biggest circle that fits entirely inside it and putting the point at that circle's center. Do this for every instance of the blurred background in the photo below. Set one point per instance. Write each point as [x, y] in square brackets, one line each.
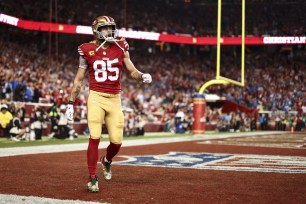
[37, 68]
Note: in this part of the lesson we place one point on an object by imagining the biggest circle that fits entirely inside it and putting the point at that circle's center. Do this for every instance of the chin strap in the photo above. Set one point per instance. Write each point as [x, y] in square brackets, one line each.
[111, 40]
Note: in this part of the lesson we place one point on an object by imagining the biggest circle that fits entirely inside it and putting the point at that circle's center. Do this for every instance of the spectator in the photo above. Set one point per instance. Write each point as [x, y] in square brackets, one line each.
[284, 123]
[54, 117]
[6, 118]
[139, 125]
[278, 123]
[253, 124]
[38, 123]
[63, 124]
[17, 132]
[262, 121]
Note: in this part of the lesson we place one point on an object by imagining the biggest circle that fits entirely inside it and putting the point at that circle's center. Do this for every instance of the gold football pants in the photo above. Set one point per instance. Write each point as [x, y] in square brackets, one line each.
[103, 107]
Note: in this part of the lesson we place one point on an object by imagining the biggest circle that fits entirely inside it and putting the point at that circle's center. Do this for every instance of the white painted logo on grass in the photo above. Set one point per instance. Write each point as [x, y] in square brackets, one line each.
[214, 161]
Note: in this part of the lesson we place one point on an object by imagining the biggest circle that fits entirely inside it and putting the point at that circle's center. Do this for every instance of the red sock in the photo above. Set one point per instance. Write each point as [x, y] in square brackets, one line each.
[92, 155]
[112, 150]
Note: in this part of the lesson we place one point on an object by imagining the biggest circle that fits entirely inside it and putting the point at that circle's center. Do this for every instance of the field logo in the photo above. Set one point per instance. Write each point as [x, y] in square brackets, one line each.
[214, 161]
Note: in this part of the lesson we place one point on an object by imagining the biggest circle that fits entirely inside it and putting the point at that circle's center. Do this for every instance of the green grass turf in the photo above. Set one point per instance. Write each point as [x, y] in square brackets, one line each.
[5, 143]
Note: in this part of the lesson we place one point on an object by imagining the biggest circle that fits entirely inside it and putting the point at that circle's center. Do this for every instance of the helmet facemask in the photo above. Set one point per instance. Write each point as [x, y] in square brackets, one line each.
[104, 34]
[107, 35]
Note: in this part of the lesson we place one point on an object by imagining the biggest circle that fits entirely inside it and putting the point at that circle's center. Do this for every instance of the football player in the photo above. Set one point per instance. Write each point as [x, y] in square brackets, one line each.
[103, 59]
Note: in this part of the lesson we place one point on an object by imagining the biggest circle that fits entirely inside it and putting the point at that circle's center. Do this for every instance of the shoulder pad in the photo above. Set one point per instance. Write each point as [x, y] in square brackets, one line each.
[124, 44]
[85, 48]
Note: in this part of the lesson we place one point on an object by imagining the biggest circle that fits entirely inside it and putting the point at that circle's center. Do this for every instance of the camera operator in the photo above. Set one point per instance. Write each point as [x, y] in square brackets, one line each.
[39, 122]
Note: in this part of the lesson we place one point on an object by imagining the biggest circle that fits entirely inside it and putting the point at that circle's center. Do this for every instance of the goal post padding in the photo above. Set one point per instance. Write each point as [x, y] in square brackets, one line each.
[199, 105]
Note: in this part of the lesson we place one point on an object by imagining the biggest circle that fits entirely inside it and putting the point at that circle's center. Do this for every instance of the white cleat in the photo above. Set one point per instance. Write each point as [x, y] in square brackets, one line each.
[106, 168]
[93, 185]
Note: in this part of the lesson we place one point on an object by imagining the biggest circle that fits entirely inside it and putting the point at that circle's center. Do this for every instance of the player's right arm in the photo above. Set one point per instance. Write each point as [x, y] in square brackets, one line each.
[76, 89]
[77, 84]
[79, 78]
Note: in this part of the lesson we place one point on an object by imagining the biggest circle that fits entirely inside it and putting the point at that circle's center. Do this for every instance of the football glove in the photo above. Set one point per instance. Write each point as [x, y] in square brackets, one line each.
[146, 78]
[69, 112]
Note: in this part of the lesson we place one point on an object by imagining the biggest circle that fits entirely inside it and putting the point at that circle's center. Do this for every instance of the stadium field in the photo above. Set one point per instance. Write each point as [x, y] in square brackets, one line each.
[259, 167]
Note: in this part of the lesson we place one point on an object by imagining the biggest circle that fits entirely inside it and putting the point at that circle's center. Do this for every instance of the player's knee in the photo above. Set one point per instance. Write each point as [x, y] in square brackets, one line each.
[117, 141]
[95, 137]
[95, 129]
[95, 132]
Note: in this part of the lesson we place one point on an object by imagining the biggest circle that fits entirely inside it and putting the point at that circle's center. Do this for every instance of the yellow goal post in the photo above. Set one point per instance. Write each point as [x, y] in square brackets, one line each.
[220, 79]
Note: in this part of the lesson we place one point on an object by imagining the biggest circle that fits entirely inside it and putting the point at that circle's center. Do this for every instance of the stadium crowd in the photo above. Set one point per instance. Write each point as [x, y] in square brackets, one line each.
[161, 16]
[275, 75]
[273, 83]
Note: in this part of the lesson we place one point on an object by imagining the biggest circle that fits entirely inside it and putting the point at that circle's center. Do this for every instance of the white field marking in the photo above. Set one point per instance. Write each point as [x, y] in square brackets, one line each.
[15, 151]
[234, 162]
[13, 199]
[272, 141]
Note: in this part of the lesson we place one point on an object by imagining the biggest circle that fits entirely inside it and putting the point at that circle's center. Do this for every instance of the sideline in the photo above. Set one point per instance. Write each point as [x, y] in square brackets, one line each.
[15, 151]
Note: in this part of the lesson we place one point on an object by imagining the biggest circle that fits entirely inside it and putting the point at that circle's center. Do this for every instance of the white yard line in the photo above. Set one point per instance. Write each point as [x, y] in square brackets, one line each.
[13, 199]
[15, 151]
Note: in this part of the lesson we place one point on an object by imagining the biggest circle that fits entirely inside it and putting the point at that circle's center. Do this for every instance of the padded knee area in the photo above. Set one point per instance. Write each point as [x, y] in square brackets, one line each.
[116, 139]
[95, 130]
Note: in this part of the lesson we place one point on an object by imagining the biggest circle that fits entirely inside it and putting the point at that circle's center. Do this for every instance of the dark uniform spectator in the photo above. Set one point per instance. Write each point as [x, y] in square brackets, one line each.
[17, 132]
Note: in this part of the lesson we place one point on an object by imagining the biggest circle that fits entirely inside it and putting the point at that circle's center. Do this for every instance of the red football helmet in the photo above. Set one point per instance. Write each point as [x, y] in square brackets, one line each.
[100, 22]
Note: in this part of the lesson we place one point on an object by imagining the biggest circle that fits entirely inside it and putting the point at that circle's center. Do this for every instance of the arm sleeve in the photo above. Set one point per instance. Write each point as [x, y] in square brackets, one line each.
[82, 63]
[126, 45]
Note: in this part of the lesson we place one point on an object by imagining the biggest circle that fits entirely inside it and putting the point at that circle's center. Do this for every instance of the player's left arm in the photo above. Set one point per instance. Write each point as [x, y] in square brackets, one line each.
[133, 71]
